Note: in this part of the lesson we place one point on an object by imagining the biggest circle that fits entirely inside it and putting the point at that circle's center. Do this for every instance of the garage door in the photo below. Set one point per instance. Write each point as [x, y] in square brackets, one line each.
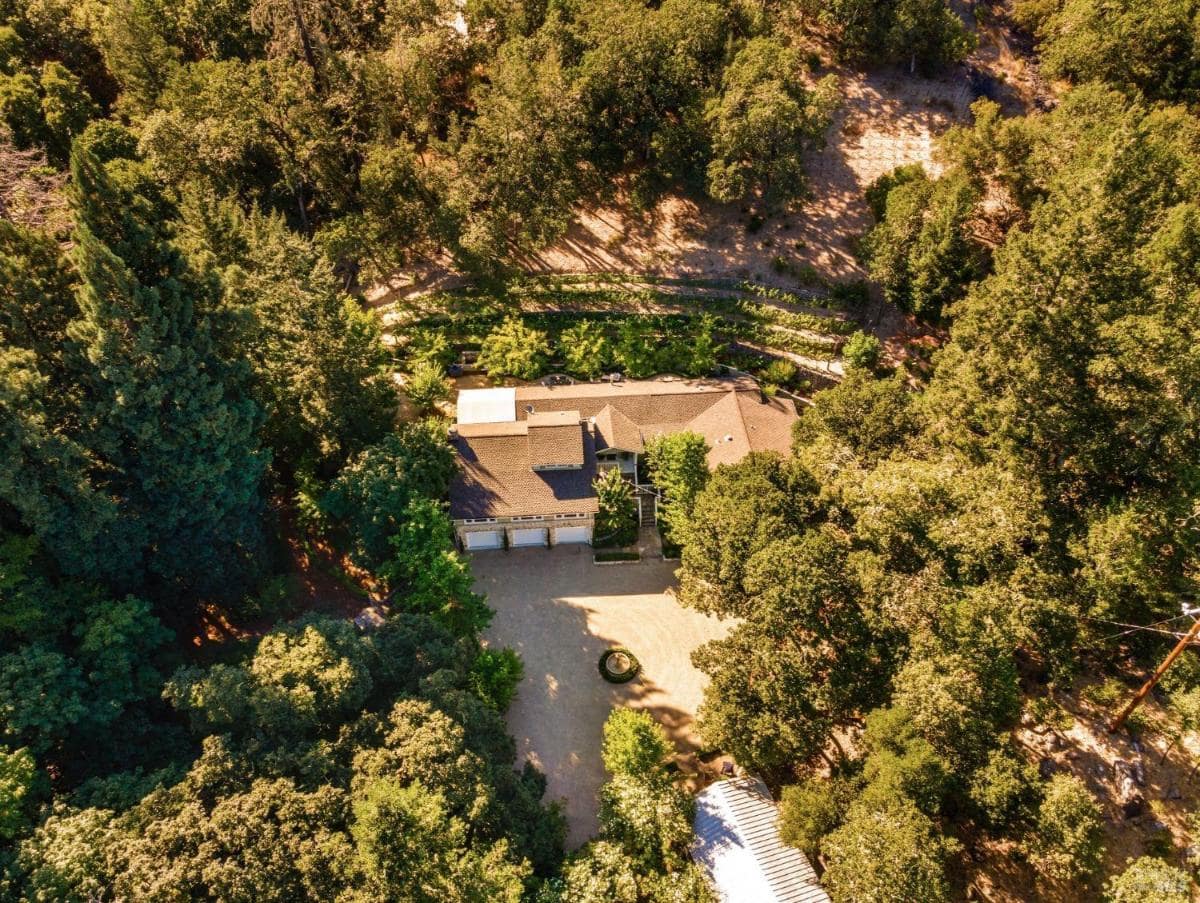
[484, 539]
[529, 537]
[572, 535]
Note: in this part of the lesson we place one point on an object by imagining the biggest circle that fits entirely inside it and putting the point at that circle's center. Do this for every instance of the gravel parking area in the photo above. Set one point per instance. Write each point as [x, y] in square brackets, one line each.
[560, 612]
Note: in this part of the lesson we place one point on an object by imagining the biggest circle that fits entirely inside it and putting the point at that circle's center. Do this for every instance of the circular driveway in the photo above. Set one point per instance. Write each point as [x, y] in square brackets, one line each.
[560, 612]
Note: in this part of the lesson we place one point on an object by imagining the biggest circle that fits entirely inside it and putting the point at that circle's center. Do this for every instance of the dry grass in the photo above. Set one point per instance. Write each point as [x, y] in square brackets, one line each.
[1080, 744]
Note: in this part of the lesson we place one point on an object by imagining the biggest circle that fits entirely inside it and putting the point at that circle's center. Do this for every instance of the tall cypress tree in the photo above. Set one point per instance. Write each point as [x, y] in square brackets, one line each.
[44, 475]
[173, 424]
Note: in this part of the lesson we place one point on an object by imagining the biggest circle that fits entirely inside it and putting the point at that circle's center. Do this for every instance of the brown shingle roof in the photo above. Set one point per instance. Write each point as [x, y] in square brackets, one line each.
[768, 422]
[615, 430]
[722, 427]
[496, 480]
[664, 404]
[555, 440]
[498, 476]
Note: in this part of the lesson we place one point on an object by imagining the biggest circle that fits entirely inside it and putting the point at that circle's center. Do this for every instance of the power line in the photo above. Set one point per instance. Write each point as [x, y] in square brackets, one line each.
[1141, 694]
[1134, 628]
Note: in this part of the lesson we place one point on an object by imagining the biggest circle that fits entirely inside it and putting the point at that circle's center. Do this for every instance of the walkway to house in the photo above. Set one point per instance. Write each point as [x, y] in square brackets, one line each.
[560, 612]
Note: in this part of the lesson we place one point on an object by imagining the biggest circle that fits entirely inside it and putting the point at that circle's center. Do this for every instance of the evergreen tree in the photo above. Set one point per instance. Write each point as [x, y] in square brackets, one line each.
[316, 356]
[170, 423]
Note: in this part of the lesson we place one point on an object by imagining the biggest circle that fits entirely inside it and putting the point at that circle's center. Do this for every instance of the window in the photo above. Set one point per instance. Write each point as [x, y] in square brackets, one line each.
[529, 517]
[479, 520]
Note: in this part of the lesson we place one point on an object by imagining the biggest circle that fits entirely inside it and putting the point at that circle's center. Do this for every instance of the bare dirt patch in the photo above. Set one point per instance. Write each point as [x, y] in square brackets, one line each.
[1080, 744]
[888, 118]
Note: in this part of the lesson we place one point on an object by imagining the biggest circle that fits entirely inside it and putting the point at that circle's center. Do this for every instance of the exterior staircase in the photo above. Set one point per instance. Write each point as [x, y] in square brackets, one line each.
[647, 496]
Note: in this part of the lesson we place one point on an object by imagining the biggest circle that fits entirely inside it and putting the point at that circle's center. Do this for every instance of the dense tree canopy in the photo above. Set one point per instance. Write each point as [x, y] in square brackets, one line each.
[196, 405]
[314, 779]
[919, 33]
[930, 534]
[1153, 48]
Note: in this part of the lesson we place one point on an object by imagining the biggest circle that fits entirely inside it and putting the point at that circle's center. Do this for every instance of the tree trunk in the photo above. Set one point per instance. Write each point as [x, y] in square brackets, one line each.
[1167, 751]
[310, 56]
[300, 207]
[842, 757]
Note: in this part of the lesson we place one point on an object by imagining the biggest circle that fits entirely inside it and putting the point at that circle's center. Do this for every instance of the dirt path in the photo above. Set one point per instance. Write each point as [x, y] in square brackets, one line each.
[319, 579]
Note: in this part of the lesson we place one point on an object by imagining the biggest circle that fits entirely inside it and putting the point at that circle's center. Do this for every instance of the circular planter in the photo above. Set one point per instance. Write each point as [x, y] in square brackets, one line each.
[619, 666]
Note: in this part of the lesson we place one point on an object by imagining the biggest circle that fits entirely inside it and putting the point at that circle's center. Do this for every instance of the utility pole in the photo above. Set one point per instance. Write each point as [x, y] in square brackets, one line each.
[1184, 642]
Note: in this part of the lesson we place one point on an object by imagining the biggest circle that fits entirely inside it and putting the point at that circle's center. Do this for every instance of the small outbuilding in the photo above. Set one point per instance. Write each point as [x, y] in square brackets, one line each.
[737, 845]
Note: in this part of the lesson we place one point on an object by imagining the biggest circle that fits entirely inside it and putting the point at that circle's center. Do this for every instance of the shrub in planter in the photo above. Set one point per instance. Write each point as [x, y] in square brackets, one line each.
[610, 557]
[619, 666]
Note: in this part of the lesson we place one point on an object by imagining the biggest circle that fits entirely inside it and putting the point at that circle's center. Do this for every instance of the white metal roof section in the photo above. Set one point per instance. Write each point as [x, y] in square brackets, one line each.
[487, 405]
[737, 844]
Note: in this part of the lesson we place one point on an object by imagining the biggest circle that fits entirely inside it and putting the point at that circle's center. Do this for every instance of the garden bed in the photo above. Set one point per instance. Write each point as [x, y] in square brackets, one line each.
[616, 556]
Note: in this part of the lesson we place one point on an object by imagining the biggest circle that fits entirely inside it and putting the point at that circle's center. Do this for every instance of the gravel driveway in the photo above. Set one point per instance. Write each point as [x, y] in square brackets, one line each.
[560, 612]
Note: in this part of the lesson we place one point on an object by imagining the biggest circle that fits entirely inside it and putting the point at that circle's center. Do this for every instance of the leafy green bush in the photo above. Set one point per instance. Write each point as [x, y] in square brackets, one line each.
[878, 191]
[1105, 694]
[494, 676]
[585, 349]
[780, 372]
[369, 497]
[634, 744]
[427, 385]
[1149, 880]
[849, 295]
[1067, 840]
[19, 780]
[514, 349]
[616, 521]
[810, 810]
[271, 600]
[862, 351]
[429, 346]
[1005, 790]
[892, 855]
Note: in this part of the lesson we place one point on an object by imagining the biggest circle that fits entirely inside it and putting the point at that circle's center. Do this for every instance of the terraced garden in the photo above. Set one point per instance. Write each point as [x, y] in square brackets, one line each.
[753, 323]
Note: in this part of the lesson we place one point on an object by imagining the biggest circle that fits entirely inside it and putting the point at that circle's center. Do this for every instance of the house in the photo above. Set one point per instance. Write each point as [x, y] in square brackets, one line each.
[737, 846]
[530, 454]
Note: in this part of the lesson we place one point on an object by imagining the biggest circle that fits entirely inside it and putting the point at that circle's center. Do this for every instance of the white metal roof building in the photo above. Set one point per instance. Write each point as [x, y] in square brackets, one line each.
[737, 845]
[487, 405]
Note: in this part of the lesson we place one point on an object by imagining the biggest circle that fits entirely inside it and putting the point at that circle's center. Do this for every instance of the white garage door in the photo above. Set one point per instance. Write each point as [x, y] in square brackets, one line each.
[484, 539]
[535, 536]
[572, 534]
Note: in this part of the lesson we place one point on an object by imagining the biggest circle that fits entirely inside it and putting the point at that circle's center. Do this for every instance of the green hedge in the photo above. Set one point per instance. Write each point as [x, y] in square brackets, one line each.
[601, 557]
